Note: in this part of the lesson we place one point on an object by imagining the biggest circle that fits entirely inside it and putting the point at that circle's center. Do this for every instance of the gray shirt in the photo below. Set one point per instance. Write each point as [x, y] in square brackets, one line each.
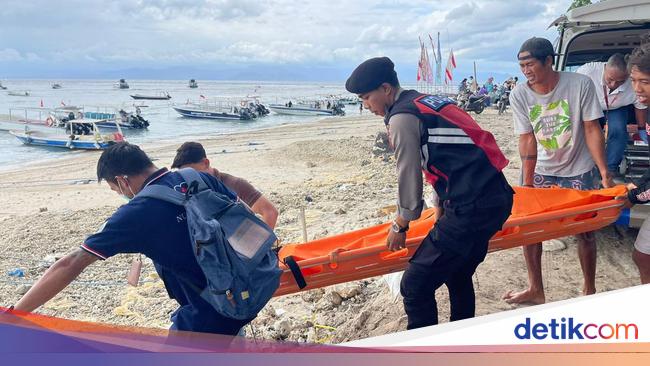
[557, 120]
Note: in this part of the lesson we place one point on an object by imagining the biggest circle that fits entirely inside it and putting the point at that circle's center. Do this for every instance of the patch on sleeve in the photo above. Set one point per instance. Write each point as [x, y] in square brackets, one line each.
[435, 102]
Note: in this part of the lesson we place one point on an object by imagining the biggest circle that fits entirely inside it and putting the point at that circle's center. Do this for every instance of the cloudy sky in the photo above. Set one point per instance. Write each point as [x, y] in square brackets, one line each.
[320, 40]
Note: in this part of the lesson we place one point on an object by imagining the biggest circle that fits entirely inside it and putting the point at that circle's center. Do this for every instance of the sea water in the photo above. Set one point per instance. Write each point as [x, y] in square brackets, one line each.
[166, 125]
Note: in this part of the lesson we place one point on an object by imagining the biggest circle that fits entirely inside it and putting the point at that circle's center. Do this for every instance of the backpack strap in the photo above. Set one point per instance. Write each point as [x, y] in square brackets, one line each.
[169, 194]
[163, 193]
[190, 176]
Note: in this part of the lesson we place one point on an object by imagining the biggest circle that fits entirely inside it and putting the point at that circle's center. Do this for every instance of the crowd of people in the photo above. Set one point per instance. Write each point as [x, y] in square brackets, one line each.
[492, 89]
[558, 118]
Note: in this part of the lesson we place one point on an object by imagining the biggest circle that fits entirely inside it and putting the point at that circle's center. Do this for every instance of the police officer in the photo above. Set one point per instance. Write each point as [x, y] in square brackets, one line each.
[431, 135]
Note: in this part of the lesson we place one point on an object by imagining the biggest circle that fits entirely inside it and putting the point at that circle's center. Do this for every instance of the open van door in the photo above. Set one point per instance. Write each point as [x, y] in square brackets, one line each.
[595, 32]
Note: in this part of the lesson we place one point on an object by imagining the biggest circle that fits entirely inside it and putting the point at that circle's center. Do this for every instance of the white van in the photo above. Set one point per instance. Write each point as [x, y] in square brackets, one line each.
[595, 32]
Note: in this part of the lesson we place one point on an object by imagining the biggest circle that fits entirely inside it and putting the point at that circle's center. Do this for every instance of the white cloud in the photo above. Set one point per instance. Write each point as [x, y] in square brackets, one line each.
[10, 54]
[148, 33]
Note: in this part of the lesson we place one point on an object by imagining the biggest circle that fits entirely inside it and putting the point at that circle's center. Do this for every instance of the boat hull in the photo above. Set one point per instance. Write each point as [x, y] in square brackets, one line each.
[150, 97]
[52, 141]
[191, 113]
[299, 111]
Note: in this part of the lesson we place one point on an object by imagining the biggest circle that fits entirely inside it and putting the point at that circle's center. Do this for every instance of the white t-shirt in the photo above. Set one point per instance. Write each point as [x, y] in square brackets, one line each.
[622, 96]
[557, 120]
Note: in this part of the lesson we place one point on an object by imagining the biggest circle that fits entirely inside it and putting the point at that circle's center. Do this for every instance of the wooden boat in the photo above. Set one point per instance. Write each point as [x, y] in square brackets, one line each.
[538, 214]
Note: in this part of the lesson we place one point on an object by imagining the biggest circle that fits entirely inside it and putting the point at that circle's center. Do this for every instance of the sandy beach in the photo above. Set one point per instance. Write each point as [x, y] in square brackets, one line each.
[333, 168]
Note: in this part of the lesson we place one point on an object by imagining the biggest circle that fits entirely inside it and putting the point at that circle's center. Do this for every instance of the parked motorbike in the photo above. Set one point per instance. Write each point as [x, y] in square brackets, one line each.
[470, 102]
[504, 101]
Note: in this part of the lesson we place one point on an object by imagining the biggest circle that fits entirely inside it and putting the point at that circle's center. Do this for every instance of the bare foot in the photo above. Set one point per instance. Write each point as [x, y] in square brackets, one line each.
[527, 296]
[588, 291]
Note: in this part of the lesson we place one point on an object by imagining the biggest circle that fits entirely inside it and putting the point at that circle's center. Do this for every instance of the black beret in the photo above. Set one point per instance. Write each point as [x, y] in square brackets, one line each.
[371, 74]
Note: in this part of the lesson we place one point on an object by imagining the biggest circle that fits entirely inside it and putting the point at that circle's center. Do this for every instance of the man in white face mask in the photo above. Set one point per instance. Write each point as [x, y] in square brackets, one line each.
[153, 227]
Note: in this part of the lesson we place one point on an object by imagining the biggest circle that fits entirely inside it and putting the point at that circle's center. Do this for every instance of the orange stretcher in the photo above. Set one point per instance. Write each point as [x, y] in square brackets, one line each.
[538, 214]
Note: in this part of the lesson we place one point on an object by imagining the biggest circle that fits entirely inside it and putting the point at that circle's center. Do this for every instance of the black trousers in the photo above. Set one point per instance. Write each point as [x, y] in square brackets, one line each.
[449, 255]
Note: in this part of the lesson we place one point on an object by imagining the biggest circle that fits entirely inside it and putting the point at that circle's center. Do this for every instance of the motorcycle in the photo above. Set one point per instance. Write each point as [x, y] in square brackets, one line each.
[470, 102]
[503, 102]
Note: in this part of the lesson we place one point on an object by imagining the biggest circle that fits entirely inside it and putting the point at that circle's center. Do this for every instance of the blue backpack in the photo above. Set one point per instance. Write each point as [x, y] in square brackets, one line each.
[232, 246]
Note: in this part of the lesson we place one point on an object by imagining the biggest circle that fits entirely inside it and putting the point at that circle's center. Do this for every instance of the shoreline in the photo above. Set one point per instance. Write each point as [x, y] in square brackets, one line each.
[163, 143]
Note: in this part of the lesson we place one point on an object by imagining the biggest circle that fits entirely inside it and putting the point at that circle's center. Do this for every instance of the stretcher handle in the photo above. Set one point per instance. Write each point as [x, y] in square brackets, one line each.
[295, 271]
[560, 214]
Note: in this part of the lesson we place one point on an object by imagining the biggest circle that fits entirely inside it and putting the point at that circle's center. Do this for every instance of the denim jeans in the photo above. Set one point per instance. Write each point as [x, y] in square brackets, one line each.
[616, 137]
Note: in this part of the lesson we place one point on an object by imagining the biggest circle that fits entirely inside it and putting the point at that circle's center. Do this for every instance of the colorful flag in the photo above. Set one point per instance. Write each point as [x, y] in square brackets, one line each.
[420, 62]
[449, 69]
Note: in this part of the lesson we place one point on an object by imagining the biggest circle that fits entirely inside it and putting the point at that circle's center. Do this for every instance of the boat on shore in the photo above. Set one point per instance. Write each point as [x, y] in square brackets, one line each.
[3, 87]
[77, 135]
[159, 96]
[56, 86]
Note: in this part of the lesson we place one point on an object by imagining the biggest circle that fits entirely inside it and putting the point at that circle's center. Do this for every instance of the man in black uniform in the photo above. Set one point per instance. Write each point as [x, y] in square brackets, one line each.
[431, 135]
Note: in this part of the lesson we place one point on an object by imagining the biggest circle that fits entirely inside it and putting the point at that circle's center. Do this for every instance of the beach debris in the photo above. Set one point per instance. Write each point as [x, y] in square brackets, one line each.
[365, 162]
[22, 289]
[393, 281]
[382, 145]
[310, 164]
[340, 211]
[334, 297]
[308, 198]
[16, 272]
[269, 310]
[312, 295]
[254, 143]
[553, 245]
[282, 328]
[42, 209]
[49, 260]
[280, 312]
[349, 291]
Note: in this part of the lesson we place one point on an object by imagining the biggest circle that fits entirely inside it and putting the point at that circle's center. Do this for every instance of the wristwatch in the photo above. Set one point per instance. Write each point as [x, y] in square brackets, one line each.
[398, 229]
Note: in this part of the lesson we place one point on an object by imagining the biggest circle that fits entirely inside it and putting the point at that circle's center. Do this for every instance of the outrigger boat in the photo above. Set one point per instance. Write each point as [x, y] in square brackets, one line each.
[538, 214]
[73, 138]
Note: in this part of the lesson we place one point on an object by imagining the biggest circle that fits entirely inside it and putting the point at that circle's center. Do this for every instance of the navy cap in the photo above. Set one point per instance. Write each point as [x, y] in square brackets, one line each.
[371, 74]
[539, 48]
